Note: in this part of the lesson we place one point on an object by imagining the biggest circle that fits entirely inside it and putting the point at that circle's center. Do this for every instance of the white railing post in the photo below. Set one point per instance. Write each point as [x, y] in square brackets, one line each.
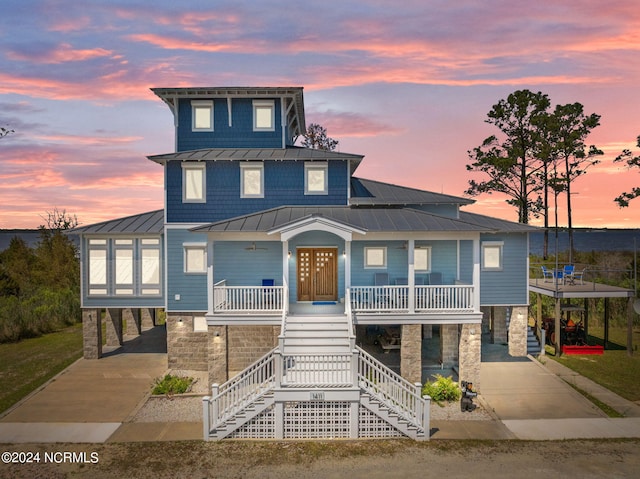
[355, 355]
[426, 424]
[215, 392]
[277, 367]
[206, 420]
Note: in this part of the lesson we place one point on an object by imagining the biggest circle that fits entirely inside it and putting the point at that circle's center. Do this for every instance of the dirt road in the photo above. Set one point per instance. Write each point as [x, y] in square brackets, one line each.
[330, 459]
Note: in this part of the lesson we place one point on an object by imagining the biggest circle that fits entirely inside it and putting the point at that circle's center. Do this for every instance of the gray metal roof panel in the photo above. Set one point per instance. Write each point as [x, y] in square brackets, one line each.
[370, 219]
[255, 154]
[371, 192]
[497, 223]
[143, 223]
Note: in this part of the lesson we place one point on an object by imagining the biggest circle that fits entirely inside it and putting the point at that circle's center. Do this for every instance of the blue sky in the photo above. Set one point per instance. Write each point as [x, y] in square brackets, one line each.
[409, 87]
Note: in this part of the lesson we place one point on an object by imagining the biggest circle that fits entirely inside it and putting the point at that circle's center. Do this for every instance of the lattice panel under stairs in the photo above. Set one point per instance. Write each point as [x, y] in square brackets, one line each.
[371, 426]
[262, 426]
[317, 420]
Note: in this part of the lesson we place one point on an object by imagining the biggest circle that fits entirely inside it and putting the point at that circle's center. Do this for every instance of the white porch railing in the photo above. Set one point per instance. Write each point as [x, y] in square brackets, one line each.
[231, 299]
[278, 373]
[447, 298]
[392, 389]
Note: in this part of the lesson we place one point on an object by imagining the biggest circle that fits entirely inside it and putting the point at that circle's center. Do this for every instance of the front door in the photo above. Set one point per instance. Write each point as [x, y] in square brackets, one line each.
[317, 274]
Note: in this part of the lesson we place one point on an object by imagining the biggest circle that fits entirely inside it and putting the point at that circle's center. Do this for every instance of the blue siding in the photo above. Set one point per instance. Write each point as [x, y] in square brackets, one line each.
[509, 286]
[239, 135]
[283, 185]
[192, 288]
[466, 261]
[241, 267]
[443, 260]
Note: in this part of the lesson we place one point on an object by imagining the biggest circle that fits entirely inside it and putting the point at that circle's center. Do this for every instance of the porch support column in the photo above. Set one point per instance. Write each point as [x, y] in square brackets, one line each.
[556, 330]
[147, 318]
[347, 268]
[470, 350]
[411, 353]
[476, 275]
[285, 274]
[449, 347]
[210, 295]
[411, 276]
[217, 361]
[629, 326]
[499, 325]
[92, 333]
[518, 331]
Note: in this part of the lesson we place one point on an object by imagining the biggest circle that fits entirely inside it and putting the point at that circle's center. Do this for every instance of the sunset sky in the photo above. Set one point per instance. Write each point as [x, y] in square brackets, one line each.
[406, 84]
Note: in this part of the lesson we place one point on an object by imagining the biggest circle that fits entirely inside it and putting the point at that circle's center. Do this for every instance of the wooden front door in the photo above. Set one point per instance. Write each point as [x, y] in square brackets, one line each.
[317, 274]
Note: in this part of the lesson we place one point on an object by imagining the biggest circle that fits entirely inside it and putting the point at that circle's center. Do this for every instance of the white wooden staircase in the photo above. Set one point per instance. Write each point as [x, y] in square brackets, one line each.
[316, 384]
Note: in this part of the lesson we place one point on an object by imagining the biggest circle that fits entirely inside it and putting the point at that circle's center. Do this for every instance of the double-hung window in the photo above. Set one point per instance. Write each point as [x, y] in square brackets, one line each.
[194, 183]
[202, 115]
[97, 267]
[422, 259]
[375, 257]
[123, 273]
[263, 115]
[252, 180]
[492, 255]
[195, 258]
[149, 266]
[315, 179]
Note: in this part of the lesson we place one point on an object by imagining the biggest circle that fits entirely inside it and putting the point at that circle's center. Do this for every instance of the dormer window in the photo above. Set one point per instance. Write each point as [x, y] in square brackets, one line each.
[252, 180]
[263, 115]
[315, 178]
[202, 115]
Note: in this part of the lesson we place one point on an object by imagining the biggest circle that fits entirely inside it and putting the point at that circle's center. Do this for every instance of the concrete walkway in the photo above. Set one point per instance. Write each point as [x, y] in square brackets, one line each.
[93, 401]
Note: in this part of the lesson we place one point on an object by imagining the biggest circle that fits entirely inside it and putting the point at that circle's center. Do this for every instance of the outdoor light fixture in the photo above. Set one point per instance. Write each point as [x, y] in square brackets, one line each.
[289, 254]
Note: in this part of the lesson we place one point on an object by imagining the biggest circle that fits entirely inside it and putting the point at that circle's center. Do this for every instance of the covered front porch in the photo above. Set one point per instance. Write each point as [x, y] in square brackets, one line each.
[320, 262]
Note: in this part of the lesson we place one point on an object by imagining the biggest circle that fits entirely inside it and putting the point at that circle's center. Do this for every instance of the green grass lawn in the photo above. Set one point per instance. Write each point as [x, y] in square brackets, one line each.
[29, 363]
[614, 370]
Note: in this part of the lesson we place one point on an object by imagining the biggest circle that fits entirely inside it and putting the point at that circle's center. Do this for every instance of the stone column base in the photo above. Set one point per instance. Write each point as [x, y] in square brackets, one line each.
[518, 327]
[92, 333]
[411, 353]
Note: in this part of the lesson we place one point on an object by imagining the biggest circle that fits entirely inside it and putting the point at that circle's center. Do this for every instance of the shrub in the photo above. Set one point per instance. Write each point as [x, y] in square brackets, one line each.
[171, 385]
[442, 389]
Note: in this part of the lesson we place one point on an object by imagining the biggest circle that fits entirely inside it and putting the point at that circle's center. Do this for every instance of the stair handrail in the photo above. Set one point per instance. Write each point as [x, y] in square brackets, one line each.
[254, 381]
[390, 388]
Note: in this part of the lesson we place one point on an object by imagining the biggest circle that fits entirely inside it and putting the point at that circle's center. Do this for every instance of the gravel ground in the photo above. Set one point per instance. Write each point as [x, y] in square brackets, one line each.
[188, 407]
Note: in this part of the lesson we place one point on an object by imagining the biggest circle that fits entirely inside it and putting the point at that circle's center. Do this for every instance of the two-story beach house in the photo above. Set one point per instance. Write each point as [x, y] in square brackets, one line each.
[273, 261]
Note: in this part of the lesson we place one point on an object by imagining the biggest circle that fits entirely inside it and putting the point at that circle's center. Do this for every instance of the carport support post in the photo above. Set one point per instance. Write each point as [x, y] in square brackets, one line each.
[113, 320]
[92, 333]
[557, 330]
[630, 326]
[606, 322]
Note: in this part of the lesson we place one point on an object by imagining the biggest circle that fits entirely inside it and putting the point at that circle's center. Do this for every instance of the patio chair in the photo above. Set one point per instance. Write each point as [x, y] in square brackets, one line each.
[574, 275]
[381, 297]
[547, 274]
[435, 279]
[567, 274]
[268, 292]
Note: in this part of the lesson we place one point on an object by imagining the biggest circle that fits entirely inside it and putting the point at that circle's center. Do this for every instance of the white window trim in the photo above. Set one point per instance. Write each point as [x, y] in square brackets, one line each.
[195, 104]
[193, 246]
[428, 250]
[316, 166]
[493, 244]
[264, 104]
[384, 255]
[194, 166]
[251, 166]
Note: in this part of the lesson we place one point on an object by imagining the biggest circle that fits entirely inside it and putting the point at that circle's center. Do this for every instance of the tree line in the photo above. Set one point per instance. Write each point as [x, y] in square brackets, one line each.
[40, 286]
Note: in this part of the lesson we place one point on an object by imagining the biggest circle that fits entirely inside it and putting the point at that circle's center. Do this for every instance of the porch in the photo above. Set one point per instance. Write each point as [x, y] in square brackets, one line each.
[379, 300]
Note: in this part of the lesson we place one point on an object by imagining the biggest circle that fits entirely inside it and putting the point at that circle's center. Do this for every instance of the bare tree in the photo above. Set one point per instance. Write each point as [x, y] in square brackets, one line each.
[316, 138]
